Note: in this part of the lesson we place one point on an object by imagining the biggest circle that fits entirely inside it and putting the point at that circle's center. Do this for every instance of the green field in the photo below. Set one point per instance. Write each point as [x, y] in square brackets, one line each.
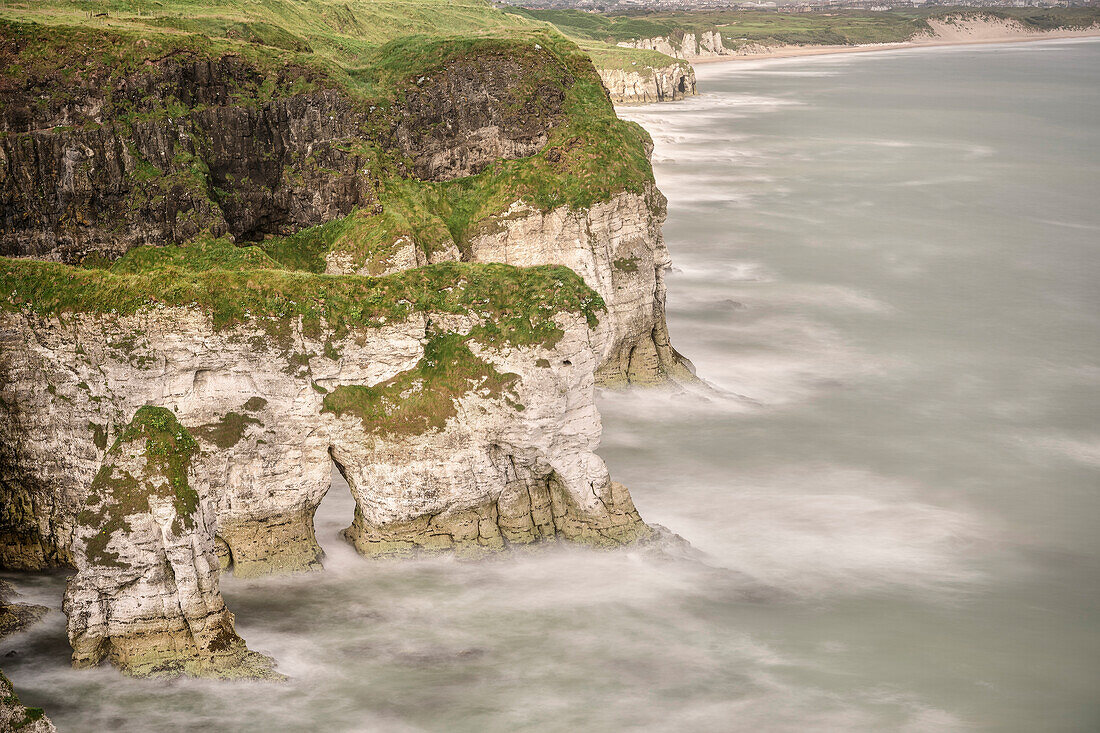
[742, 27]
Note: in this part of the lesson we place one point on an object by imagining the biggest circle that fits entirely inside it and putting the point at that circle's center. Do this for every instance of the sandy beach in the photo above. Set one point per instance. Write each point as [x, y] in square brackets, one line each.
[945, 34]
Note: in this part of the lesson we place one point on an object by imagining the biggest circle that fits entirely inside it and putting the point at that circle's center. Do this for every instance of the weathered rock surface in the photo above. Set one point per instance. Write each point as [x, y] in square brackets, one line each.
[15, 716]
[98, 163]
[616, 246]
[618, 249]
[666, 84]
[76, 180]
[687, 46]
[480, 108]
[146, 596]
[14, 616]
[516, 433]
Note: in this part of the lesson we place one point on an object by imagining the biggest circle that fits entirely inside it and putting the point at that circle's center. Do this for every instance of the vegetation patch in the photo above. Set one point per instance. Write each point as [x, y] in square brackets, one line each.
[228, 431]
[255, 404]
[116, 494]
[99, 435]
[516, 305]
[626, 264]
[424, 397]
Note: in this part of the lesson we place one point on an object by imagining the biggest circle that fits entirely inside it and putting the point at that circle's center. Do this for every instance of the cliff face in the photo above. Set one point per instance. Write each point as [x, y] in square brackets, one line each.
[454, 391]
[431, 427]
[477, 109]
[687, 46]
[667, 84]
[189, 142]
[615, 246]
[146, 594]
[117, 162]
[618, 249]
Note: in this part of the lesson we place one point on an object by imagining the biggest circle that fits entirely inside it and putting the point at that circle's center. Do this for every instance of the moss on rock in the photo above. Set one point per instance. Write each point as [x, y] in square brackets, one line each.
[424, 397]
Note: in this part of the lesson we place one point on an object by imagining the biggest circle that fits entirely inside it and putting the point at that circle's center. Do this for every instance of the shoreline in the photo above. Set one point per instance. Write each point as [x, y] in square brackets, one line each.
[797, 51]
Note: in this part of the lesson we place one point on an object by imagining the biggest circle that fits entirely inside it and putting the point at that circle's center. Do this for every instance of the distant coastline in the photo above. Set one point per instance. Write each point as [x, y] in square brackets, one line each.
[975, 38]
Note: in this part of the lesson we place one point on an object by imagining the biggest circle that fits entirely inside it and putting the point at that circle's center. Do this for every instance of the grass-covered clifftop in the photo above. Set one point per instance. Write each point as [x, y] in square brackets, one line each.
[81, 67]
[234, 285]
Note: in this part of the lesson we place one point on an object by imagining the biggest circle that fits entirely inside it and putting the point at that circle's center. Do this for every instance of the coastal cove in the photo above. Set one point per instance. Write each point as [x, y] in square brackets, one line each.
[885, 267]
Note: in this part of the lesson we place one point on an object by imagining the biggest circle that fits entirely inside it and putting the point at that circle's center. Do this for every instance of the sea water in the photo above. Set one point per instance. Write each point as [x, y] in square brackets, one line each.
[886, 268]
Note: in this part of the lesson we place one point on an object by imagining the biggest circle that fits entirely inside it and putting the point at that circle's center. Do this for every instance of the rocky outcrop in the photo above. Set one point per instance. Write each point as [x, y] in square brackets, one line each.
[616, 246]
[618, 249]
[478, 108]
[665, 84]
[98, 162]
[149, 158]
[684, 46]
[14, 617]
[432, 419]
[15, 716]
[146, 593]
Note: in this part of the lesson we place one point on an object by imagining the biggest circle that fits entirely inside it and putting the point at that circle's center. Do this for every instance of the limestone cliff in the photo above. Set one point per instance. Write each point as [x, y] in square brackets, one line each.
[453, 430]
[146, 593]
[642, 86]
[684, 45]
[181, 141]
[618, 249]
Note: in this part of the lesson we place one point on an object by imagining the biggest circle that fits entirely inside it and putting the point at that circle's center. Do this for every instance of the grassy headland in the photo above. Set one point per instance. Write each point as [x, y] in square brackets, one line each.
[375, 53]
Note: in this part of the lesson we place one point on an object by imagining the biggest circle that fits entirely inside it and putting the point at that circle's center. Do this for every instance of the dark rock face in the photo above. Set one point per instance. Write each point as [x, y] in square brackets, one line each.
[198, 150]
[477, 109]
[99, 164]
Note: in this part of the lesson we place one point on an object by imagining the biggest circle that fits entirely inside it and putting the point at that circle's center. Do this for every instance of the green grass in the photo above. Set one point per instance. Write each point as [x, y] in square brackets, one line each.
[516, 305]
[424, 397]
[738, 28]
[641, 61]
[227, 431]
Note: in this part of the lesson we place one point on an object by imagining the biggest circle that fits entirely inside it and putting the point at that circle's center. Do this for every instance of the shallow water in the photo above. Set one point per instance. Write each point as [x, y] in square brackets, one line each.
[887, 265]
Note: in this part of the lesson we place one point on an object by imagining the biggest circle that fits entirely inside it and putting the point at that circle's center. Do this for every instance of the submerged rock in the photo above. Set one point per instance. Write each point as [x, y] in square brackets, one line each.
[145, 596]
[15, 617]
[15, 716]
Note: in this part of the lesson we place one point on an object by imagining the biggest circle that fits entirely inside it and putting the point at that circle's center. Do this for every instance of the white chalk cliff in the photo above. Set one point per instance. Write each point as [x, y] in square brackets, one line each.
[647, 84]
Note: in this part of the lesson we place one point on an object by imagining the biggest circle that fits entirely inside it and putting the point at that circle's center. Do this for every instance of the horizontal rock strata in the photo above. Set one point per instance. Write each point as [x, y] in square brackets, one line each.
[427, 416]
[145, 596]
[643, 86]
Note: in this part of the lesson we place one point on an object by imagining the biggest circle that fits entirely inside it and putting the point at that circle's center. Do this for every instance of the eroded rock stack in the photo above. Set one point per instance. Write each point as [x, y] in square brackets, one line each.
[649, 84]
[145, 596]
